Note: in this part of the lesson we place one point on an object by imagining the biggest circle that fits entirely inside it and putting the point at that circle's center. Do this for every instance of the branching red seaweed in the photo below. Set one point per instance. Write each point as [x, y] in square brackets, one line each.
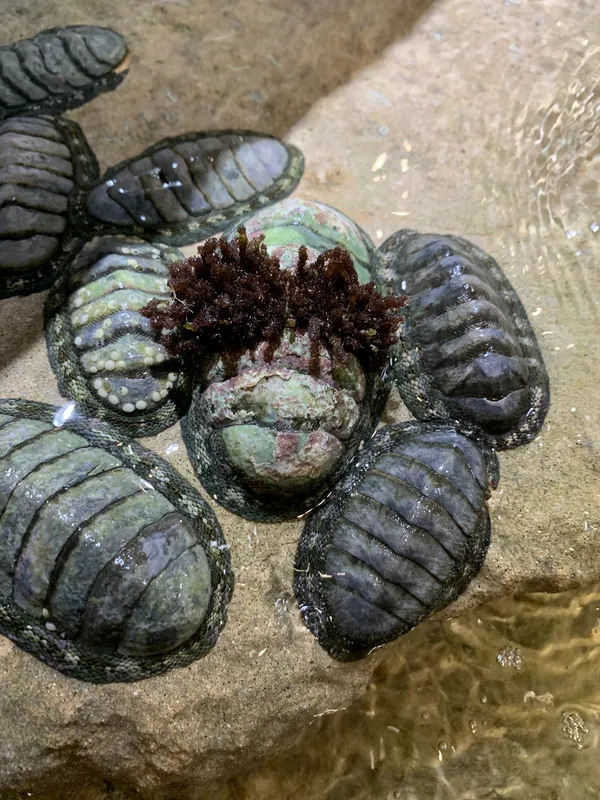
[233, 295]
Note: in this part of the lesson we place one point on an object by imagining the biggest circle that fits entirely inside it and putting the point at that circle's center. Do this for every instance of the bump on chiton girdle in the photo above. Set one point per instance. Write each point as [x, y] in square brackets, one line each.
[104, 353]
[400, 537]
[112, 567]
[467, 350]
[46, 164]
[185, 188]
[59, 69]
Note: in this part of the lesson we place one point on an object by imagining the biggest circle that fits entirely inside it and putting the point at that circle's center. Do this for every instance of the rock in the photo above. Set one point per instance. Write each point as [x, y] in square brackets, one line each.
[267, 677]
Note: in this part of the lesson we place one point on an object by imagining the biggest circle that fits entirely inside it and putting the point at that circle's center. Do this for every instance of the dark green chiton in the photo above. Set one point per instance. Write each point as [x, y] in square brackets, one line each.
[467, 351]
[400, 537]
[45, 164]
[183, 189]
[59, 69]
[112, 567]
[103, 351]
[270, 441]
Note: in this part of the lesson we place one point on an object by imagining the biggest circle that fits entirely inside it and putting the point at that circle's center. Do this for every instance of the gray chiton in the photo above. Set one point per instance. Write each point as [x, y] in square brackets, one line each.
[112, 567]
[467, 350]
[268, 442]
[103, 351]
[59, 69]
[185, 188]
[44, 164]
[401, 536]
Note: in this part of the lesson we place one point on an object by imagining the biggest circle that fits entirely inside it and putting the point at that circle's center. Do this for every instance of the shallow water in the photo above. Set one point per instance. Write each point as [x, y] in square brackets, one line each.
[501, 703]
[488, 113]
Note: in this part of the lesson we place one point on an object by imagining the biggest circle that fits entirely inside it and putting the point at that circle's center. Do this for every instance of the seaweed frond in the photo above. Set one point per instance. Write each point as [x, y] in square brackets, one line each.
[233, 296]
[228, 299]
[328, 302]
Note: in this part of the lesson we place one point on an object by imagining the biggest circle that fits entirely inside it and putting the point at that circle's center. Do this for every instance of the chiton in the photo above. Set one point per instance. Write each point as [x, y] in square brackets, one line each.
[467, 350]
[269, 439]
[112, 567]
[103, 351]
[185, 188]
[59, 69]
[44, 164]
[401, 536]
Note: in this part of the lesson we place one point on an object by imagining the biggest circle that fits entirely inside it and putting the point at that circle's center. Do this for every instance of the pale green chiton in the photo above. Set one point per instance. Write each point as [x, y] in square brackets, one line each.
[103, 351]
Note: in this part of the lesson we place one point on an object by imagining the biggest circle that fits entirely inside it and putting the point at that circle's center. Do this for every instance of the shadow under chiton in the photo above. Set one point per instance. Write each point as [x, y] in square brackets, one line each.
[112, 567]
[401, 536]
[59, 69]
[269, 438]
[44, 165]
[103, 351]
[467, 350]
[185, 188]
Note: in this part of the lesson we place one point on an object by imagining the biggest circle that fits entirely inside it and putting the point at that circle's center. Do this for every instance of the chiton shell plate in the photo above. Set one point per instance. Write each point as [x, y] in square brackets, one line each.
[467, 351]
[186, 188]
[112, 567]
[59, 69]
[104, 352]
[294, 222]
[44, 165]
[400, 537]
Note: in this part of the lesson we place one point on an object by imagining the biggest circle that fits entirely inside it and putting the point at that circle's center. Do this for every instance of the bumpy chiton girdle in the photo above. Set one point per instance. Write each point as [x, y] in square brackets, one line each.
[185, 188]
[467, 350]
[117, 635]
[45, 166]
[59, 69]
[400, 537]
[103, 351]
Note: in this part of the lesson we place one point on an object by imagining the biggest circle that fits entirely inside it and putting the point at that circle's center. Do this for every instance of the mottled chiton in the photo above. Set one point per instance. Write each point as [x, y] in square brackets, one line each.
[103, 351]
[467, 350]
[112, 567]
[271, 440]
[44, 164]
[60, 68]
[188, 187]
[400, 538]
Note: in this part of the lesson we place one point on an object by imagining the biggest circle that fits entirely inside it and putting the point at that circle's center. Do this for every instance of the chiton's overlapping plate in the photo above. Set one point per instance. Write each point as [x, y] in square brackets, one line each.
[103, 351]
[59, 69]
[294, 222]
[112, 567]
[400, 537]
[183, 189]
[467, 350]
[44, 165]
